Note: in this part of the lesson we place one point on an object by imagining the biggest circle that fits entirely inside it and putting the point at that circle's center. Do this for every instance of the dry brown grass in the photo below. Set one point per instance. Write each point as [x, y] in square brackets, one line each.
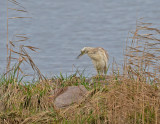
[142, 54]
[17, 47]
[121, 102]
[24, 101]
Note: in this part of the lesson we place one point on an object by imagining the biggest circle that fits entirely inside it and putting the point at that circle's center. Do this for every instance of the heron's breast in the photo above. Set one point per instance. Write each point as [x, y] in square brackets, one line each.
[99, 64]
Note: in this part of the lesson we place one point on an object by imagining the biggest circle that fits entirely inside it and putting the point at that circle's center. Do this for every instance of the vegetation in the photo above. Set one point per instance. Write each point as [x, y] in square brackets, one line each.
[130, 96]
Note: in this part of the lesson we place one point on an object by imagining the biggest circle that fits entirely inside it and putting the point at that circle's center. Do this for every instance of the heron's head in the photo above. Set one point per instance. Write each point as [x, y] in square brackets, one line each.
[83, 51]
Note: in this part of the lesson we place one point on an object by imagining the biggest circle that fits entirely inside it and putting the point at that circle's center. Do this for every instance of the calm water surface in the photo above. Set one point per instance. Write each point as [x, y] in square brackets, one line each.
[60, 28]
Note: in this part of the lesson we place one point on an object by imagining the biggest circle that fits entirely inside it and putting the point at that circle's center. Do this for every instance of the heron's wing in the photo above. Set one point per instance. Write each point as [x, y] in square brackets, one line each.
[93, 51]
[104, 51]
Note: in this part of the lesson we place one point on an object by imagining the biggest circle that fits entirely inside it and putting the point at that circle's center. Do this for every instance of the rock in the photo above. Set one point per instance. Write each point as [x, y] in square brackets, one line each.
[73, 94]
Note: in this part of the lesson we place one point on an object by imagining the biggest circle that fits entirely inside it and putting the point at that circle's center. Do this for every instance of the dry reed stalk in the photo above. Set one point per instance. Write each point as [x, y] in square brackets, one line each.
[12, 46]
[142, 56]
[8, 63]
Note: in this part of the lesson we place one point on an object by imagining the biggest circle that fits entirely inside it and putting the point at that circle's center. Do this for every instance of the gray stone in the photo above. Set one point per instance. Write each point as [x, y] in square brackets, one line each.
[73, 94]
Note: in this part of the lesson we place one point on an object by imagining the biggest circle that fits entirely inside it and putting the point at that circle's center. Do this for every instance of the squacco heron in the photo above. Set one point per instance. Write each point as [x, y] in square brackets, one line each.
[99, 58]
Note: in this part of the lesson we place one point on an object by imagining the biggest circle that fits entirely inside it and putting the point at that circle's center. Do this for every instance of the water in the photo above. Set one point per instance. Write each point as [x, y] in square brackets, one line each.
[61, 28]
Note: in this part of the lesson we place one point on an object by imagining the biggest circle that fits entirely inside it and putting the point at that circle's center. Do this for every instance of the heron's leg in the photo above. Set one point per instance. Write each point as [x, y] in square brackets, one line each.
[99, 73]
[106, 70]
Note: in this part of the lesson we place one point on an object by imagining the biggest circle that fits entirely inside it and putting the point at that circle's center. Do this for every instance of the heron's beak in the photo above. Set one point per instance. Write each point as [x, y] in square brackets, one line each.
[80, 55]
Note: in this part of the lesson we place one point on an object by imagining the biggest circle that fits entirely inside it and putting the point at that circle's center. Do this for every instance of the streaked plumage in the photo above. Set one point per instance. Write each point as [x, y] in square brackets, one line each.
[99, 58]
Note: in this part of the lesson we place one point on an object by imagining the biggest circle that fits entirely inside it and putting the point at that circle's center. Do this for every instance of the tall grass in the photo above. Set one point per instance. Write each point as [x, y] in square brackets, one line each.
[17, 47]
[142, 56]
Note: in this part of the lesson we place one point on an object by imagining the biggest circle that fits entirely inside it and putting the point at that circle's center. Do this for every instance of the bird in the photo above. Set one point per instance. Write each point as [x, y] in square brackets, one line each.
[99, 58]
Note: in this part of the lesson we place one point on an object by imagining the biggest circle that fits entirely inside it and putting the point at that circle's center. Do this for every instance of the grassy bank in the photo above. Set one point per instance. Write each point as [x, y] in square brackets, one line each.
[111, 99]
